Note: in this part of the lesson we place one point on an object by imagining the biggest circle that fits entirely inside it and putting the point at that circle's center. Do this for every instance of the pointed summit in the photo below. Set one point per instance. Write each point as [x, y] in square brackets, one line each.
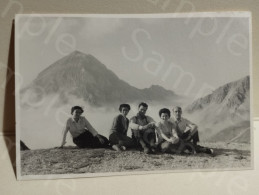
[84, 76]
[231, 95]
[225, 113]
[77, 52]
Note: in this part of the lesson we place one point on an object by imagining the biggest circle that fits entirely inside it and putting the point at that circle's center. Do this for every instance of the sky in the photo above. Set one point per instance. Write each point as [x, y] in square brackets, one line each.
[190, 56]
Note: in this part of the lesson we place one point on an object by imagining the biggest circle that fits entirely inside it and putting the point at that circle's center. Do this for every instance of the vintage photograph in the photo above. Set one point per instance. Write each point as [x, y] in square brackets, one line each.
[100, 95]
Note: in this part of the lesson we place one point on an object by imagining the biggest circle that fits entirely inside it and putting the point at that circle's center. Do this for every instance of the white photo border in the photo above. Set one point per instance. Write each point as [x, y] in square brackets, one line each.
[240, 14]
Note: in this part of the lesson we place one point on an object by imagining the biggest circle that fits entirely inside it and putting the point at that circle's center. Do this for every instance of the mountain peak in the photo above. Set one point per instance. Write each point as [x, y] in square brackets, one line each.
[79, 54]
[158, 88]
[230, 95]
[84, 76]
[220, 113]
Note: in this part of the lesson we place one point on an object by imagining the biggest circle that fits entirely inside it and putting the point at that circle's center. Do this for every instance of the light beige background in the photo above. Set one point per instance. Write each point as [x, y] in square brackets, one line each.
[234, 182]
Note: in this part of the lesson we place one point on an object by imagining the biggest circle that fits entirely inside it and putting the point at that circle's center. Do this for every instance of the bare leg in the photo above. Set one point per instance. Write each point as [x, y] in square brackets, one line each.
[144, 146]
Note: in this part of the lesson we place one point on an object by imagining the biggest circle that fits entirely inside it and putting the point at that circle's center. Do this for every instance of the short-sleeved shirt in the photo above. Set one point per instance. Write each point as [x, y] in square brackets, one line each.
[77, 128]
[168, 130]
[181, 125]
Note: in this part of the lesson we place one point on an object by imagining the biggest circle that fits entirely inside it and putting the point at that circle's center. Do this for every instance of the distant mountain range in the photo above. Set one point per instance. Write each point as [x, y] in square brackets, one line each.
[85, 77]
[225, 108]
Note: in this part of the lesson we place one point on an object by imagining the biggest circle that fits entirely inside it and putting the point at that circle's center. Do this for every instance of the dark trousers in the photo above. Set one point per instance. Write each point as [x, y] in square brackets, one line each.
[144, 138]
[121, 140]
[87, 140]
[193, 136]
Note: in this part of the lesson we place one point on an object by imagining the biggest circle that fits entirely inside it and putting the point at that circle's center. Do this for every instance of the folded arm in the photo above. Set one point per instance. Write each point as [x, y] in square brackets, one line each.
[190, 126]
[165, 137]
[174, 133]
[134, 126]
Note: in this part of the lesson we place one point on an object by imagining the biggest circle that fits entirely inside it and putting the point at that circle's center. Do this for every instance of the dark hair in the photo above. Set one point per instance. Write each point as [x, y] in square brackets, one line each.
[75, 108]
[143, 104]
[165, 110]
[124, 106]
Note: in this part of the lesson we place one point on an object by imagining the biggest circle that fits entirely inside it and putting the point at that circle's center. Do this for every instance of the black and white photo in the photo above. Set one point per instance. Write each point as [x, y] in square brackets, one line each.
[100, 95]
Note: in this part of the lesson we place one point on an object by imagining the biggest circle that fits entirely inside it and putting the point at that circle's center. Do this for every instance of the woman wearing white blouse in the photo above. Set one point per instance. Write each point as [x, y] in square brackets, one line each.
[168, 141]
[83, 133]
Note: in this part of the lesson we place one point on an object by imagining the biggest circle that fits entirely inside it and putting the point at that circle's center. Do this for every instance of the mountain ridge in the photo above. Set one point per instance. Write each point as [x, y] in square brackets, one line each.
[241, 86]
[224, 112]
[84, 76]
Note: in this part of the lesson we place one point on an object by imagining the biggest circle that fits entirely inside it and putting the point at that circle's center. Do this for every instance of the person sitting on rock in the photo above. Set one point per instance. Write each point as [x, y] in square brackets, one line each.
[187, 130]
[83, 134]
[168, 140]
[143, 129]
[118, 133]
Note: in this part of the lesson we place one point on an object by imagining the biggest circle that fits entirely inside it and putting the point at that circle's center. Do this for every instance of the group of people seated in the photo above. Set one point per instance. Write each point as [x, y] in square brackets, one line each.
[174, 134]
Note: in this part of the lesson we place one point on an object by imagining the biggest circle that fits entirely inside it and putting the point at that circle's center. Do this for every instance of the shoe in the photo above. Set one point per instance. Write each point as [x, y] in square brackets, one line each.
[116, 148]
[209, 151]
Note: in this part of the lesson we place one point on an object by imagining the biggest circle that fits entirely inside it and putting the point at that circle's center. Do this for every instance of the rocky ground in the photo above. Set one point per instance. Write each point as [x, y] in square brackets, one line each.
[71, 160]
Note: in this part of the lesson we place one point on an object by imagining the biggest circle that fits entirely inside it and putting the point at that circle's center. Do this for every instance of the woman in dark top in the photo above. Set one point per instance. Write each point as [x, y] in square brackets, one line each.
[118, 133]
[83, 133]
